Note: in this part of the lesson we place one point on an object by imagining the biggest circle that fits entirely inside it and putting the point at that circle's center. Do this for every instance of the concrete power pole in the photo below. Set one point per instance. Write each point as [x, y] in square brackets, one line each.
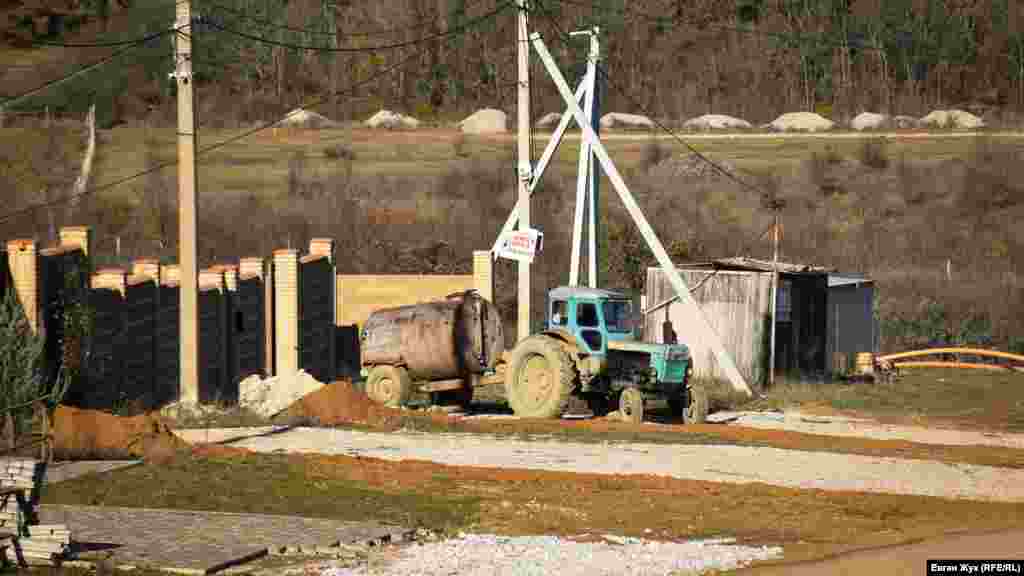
[187, 252]
[525, 171]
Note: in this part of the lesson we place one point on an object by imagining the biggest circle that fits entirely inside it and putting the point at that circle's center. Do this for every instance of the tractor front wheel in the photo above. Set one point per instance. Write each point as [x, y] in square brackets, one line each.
[540, 378]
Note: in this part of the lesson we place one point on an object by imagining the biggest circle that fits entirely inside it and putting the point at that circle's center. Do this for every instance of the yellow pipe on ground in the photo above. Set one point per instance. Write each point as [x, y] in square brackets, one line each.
[974, 351]
[974, 365]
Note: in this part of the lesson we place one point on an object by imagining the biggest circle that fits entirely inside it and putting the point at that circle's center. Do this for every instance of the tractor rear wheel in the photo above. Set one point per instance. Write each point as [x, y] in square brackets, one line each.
[540, 378]
[389, 385]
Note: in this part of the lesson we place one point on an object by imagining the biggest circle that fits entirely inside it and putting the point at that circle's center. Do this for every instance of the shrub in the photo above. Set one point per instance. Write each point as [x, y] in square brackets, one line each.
[21, 364]
[339, 152]
[872, 153]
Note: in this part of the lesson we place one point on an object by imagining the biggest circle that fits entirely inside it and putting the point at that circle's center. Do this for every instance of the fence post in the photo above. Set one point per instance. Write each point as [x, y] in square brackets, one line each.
[286, 311]
[483, 274]
[325, 247]
[23, 259]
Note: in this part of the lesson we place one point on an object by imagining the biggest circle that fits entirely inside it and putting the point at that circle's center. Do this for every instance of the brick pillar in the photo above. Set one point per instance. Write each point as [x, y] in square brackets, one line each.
[250, 267]
[325, 247]
[23, 259]
[147, 267]
[170, 274]
[80, 236]
[286, 311]
[483, 274]
[110, 279]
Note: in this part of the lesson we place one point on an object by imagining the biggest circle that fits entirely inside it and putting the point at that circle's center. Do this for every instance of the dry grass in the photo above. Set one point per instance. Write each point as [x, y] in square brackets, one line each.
[975, 399]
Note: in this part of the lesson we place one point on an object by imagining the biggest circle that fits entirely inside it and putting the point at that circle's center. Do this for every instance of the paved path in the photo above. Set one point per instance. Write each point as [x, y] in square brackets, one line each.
[60, 471]
[198, 542]
[866, 428]
[906, 560]
[724, 463]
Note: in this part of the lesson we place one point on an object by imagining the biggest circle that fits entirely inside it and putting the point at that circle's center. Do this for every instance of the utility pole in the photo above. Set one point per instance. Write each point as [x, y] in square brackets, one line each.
[587, 175]
[524, 170]
[188, 287]
[775, 296]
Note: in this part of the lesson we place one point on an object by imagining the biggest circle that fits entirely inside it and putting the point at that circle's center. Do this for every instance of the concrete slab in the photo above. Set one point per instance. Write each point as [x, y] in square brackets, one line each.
[61, 471]
[191, 542]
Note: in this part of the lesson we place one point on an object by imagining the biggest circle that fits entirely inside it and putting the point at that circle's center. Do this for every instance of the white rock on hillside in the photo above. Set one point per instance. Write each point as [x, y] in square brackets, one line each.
[306, 119]
[621, 120]
[549, 119]
[801, 122]
[952, 119]
[389, 119]
[716, 122]
[869, 121]
[486, 121]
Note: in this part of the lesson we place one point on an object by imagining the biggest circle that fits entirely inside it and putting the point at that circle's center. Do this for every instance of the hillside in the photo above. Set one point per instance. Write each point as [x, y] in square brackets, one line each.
[935, 221]
[750, 58]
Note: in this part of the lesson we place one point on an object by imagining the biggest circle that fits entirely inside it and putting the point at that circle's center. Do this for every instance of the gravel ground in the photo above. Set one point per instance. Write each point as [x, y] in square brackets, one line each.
[733, 464]
[863, 428]
[488, 555]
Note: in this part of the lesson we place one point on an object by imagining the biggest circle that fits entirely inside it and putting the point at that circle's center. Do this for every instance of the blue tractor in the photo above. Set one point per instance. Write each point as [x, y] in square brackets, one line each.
[590, 349]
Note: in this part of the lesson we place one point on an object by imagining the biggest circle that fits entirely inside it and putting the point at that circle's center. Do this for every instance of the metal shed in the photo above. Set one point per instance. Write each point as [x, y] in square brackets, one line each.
[852, 325]
[812, 320]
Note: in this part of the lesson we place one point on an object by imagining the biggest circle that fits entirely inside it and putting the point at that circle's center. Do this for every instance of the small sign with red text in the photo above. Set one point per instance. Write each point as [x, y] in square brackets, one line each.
[521, 245]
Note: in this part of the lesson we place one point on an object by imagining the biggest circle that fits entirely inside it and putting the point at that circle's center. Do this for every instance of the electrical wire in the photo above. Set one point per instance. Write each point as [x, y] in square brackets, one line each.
[86, 68]
[309, 105]
[381, 32]
[451, 31]
[564, 39]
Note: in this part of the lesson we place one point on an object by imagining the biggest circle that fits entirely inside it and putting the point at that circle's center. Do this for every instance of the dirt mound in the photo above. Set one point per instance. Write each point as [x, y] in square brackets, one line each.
[341, 403]
[84, 434]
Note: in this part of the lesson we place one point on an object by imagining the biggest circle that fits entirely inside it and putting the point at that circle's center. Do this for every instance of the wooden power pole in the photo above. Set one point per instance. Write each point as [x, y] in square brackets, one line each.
[188, 287]
[524, 170]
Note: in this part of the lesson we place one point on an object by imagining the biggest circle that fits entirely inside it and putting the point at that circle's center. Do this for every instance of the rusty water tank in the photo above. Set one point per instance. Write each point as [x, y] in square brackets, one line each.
[440, 340]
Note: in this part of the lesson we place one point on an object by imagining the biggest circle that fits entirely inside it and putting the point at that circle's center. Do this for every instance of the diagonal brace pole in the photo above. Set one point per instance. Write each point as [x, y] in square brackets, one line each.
[542, 165]
[725, 360]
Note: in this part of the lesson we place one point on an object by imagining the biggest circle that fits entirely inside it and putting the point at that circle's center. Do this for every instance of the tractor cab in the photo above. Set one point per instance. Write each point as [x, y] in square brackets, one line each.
[605, 324]
[594, 316]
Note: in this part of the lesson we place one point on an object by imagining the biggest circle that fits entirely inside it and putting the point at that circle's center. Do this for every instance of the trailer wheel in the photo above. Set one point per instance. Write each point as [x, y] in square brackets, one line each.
[540, 378]
[631, 405]
[389, 385]
[697, 410]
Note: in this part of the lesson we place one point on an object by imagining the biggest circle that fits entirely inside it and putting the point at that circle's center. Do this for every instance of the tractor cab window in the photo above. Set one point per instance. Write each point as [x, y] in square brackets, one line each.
[618, 315]
[586, 315]
[560, 313]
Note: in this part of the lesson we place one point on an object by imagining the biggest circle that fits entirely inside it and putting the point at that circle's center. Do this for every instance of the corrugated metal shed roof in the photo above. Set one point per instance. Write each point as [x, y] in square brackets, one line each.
[753, 264]
[847, 280]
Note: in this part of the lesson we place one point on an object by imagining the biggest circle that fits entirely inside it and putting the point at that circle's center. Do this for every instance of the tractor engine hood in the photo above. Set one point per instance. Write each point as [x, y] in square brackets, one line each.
[673, 352]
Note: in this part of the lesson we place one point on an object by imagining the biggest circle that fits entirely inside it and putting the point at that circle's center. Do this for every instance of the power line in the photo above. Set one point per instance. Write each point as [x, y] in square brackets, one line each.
[381, 32]
[563, 36]
[210, 148]
[96, 64]
[452, 31]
